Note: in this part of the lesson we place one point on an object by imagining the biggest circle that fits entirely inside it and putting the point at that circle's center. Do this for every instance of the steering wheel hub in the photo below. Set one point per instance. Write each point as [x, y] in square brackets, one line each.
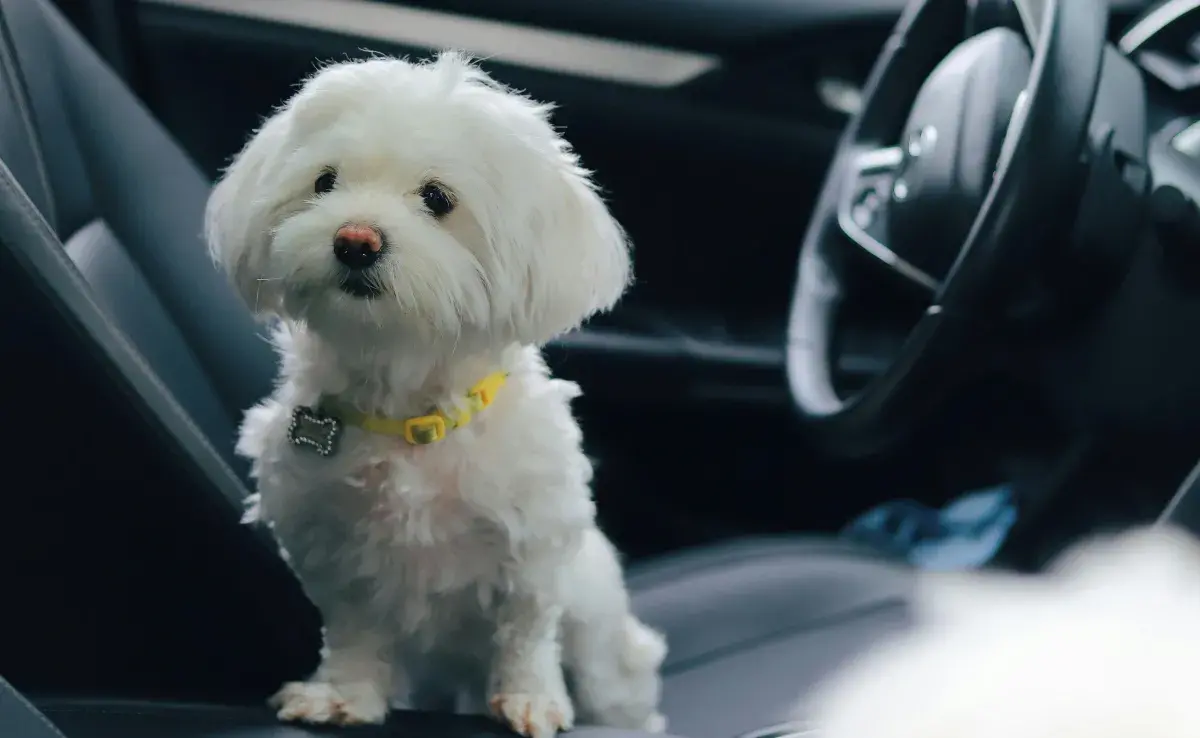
[950, 146]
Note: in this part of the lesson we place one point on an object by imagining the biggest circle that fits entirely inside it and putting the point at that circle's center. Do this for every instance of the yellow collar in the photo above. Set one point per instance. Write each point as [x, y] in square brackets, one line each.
[421, 430]
[320, 428]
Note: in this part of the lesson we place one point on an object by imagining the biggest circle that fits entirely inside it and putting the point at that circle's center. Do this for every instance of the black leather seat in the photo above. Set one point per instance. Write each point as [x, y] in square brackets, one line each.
[752, 626]
[89, 175]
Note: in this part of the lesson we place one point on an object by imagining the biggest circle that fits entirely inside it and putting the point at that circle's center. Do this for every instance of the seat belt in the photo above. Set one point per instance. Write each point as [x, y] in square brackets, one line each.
[20, 719]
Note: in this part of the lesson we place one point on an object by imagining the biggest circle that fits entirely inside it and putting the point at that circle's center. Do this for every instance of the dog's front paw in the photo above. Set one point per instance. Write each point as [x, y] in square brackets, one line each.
[320, 703]
[533, 715]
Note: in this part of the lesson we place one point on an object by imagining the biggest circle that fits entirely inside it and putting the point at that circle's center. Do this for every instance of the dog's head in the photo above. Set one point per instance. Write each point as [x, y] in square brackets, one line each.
[425, 201]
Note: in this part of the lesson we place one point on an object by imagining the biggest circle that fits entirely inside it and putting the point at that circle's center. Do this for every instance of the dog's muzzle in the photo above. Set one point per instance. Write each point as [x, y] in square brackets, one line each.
[358, 248]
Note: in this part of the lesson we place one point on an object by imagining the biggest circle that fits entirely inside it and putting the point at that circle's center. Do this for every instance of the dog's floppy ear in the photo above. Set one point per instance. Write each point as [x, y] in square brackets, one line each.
[237, 219]
[580, 262]
[568, 256]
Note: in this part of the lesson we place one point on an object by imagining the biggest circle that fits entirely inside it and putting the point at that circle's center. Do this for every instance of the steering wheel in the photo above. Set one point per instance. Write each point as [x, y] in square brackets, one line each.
[947, 177]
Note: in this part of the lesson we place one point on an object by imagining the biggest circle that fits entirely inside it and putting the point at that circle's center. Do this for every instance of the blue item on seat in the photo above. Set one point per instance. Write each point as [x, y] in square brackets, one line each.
[965, 534]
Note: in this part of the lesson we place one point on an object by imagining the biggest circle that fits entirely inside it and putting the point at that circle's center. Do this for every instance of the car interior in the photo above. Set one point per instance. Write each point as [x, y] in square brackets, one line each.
[884, 250]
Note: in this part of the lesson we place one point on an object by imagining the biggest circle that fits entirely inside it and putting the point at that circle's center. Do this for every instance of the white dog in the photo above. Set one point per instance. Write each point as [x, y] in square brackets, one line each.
[420, 231]
[1107, 645]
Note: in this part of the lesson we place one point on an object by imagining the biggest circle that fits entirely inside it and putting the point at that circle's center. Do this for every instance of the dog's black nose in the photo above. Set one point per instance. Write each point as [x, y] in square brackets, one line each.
[357, 246]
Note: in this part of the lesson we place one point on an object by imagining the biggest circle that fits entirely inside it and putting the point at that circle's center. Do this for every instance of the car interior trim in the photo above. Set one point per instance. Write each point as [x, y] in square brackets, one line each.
[46, 260]
[1181, 510]
[22, 718]
[876, 159]
[520, 45]
[1153, 22]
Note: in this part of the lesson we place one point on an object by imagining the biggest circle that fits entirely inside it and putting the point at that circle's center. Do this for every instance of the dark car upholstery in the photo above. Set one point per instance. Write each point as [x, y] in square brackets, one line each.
[100, 222]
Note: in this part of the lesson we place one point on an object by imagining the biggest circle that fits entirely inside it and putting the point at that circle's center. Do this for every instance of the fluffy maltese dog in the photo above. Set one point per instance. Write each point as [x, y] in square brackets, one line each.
[419, 231]
[1105, 645]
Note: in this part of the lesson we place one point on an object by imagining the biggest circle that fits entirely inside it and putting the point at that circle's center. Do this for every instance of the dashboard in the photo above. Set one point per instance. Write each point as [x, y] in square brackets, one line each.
[1144, 361]
[716, 26]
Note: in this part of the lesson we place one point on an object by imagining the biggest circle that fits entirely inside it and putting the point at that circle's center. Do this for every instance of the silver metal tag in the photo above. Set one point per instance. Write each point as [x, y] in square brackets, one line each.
[315, 430]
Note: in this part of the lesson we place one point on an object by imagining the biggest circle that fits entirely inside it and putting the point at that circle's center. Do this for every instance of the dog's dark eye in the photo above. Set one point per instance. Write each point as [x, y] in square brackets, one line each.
[437, 199]
[325, 182]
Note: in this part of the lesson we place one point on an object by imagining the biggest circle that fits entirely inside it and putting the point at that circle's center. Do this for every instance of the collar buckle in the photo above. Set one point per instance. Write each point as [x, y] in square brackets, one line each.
[424, 430]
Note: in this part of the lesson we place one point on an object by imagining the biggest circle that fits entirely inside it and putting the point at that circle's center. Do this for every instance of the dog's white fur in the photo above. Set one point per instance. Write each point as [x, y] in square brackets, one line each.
[1106, 645]
[470, 572]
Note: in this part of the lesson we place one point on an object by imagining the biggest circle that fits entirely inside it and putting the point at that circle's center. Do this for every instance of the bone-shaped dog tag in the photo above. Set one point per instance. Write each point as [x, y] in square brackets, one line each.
[314, 430]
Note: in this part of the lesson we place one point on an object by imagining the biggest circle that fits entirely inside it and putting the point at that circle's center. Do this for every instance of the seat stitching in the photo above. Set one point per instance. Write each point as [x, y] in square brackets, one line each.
[10, 690]
[667, 571]
[843, 616]
[155, 710]
[12, 188]
[12, 68]
[207, 711]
